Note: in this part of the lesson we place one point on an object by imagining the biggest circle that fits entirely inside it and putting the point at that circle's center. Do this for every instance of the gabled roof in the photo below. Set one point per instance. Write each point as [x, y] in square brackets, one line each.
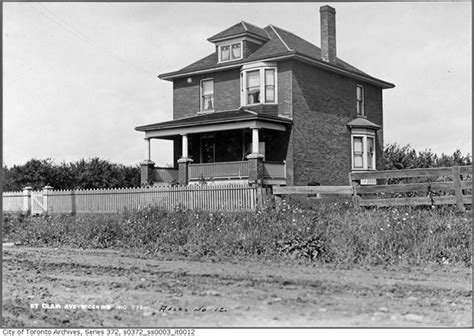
[214, 118]
[280, 44]
[241, 28]
[363, 123]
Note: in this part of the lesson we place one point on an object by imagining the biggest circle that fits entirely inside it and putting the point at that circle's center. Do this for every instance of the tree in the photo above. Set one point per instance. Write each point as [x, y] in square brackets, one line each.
[406, 157]
[91, 173]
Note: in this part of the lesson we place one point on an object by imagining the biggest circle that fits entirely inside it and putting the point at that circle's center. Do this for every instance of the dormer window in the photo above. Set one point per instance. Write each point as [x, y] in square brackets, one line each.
[258, 84]
[230, 52]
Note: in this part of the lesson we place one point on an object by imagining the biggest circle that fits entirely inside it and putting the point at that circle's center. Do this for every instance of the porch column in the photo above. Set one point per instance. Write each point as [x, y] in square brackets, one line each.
[147, 167]
[255, 141]
[183, 162]
[255, 160]
[149, 149]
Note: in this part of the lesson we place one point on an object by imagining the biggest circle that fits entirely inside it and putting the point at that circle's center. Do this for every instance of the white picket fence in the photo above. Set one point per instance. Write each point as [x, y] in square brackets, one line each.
[13, 201]
[203, 197]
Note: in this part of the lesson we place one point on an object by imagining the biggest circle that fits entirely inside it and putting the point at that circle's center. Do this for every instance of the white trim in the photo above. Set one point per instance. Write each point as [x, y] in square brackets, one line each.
[229, 44]
[320, 64]
[363, 131]
[364, 134]
[253, 65]
[261, 67]
[214, 128]
[200, 95]
[362, 90]
[242, 36]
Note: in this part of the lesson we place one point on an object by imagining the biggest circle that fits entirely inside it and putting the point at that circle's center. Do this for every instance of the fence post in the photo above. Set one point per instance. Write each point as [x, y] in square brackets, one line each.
[355, 197]
[457, 188]
[27, 200]
[46, 191]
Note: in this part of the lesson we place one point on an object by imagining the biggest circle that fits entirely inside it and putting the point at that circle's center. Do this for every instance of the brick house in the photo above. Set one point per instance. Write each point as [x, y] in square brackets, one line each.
[268, 107]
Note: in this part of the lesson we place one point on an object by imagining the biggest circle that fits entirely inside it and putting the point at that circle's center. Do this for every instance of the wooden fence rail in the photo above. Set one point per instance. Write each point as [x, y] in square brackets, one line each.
[431, 186]
[209, 197]
[428, 186]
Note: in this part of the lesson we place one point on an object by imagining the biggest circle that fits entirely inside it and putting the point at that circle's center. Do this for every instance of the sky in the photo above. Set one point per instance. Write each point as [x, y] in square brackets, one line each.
[79, 77]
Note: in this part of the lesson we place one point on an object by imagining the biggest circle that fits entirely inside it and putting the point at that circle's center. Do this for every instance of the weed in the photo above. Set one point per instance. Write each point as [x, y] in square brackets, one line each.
[318, 230]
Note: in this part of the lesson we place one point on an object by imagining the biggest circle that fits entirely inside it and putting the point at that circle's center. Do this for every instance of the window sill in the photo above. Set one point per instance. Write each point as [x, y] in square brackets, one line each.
[231, 60]
[256, 104]
[206, 112]
[364, 169]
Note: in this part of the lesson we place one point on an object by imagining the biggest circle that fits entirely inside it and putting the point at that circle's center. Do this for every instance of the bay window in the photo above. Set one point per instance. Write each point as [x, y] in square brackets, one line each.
[363, 150]
[258, 84]
[253, 87]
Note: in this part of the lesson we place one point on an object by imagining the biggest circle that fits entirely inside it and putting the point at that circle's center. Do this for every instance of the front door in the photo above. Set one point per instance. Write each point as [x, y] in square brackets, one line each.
[208, 149]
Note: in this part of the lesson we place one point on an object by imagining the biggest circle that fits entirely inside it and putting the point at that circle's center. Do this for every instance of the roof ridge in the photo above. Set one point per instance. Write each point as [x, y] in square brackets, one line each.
[245, 26]
[296, 35]
[278, 35]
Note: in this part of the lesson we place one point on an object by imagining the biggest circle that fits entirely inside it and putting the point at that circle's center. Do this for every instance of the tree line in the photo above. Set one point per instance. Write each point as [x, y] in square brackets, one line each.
[83, 174]
[97, 173]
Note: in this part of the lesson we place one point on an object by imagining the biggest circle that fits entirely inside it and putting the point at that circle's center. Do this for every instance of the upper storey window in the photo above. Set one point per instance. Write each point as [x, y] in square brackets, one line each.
[360, 100]
[207, 95]
[258, 84]
[230, 52]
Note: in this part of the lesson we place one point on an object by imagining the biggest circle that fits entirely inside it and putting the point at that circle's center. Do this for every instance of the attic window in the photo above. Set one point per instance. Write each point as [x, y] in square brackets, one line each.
[230, 52]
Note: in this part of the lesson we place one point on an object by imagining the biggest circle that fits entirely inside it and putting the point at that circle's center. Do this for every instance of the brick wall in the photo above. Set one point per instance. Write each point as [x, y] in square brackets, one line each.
[186, 96]
[227, 90]
[323, 104]
[284, 79]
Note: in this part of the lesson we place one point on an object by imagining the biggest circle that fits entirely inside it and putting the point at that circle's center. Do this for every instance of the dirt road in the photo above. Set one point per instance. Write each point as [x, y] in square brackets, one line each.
[46, 287]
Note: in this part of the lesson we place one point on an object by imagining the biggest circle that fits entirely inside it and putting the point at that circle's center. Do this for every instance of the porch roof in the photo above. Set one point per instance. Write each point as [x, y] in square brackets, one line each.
[217, 121]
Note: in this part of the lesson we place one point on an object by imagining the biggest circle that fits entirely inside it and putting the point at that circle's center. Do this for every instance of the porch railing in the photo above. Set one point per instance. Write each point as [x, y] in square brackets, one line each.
[165, 174]
[237, 169]
[274, 170]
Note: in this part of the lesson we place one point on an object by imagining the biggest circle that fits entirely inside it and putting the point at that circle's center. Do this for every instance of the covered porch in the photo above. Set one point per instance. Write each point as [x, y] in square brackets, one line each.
[235, 146]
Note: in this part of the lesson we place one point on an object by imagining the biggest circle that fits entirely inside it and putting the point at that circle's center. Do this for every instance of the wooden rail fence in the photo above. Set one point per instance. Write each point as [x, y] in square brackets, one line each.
[428, 186]
[209, 197]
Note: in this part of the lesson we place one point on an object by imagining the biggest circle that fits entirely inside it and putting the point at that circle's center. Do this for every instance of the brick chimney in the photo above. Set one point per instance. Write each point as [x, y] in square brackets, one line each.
[328, 34]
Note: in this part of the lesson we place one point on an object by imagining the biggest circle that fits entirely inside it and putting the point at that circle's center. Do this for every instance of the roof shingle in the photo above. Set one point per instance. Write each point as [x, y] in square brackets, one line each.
[239, 28]
[217, 117]
[279, 42]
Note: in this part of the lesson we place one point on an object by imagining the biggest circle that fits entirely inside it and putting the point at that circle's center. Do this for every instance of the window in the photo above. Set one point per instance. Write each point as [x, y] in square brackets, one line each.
[207, 95]
[370, 153]
[358, 152]
[363, 152]
[360, 99]
[253, 87]
[258, 84]
[229, 52]
[269, 85]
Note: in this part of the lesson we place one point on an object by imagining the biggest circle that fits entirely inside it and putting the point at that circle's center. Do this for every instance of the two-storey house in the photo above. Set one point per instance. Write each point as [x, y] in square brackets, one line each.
[268, 107]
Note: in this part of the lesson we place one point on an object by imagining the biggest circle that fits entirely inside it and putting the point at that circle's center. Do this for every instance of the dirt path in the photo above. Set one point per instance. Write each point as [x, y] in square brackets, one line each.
[244, 293]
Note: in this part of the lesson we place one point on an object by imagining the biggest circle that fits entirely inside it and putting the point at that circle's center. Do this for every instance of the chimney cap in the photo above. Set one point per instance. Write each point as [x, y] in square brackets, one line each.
[327, 8]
